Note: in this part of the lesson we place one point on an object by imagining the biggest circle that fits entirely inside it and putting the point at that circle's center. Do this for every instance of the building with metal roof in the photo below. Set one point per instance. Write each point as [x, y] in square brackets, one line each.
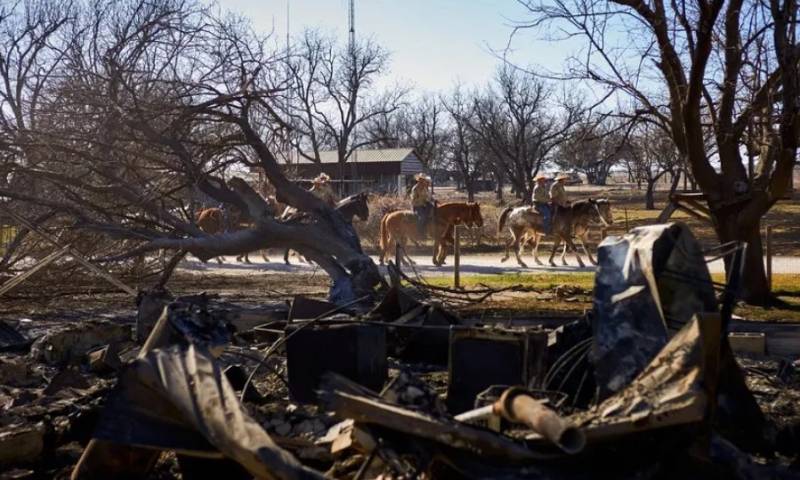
[386, 170]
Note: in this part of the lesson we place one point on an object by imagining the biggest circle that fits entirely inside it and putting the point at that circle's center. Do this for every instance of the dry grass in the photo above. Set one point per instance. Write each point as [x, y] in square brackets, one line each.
[577, 296]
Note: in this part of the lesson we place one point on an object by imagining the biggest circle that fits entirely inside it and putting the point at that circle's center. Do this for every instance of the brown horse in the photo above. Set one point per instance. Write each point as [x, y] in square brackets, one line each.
[525, 222]
[212, 222]
[401, 226]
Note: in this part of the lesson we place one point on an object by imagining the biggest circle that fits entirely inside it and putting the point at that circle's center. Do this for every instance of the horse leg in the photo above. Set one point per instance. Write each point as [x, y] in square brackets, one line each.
[536, 248]
[264, 256]
[508, 245]
[286, 257]
[556, 244]
[444, 247]
[575, 249]
[564, 255]
[406, 257]
[518, 237]
[582, 241]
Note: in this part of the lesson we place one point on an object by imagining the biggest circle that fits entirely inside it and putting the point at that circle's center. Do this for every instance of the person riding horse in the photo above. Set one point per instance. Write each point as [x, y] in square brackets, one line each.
[422, 202]
[558, 195]
[558, 192]
[541, 201]
[321, 187]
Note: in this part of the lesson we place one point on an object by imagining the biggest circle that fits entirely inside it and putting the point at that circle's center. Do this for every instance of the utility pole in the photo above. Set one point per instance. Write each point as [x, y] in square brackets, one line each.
[351, 47]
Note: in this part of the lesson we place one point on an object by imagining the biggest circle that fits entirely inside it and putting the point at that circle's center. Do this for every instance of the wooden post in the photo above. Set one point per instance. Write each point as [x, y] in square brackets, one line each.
[769, 257]
[457, 256]
[626, 220]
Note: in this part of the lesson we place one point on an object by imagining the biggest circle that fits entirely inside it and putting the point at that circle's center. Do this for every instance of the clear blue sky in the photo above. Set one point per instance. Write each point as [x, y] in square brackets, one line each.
[433, 43]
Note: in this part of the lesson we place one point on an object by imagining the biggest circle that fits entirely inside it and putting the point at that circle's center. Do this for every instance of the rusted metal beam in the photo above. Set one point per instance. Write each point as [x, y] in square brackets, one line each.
[518, 406]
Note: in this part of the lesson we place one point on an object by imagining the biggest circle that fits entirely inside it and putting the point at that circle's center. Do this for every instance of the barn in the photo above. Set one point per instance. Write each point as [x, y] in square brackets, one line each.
[386, 170]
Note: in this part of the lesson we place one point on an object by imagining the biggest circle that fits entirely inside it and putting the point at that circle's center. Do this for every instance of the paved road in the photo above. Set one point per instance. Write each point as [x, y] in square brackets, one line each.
[470, 264]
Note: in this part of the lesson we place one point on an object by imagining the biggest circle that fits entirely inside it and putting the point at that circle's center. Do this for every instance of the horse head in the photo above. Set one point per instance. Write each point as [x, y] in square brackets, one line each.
[602, 209]
[355, 205]
[362, 207]
[475, 217]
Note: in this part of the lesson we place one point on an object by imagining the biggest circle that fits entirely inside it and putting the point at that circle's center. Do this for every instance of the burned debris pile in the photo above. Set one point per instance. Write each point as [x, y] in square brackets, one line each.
[646, 385]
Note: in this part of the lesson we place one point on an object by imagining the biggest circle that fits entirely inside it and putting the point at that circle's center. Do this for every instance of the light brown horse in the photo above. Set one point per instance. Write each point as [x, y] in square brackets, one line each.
[212, 222]
[525, 223]
[401, 226]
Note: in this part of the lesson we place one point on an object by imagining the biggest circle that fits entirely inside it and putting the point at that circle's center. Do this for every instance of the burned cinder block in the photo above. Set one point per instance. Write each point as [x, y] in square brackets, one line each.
[355, 351]
[481, 357]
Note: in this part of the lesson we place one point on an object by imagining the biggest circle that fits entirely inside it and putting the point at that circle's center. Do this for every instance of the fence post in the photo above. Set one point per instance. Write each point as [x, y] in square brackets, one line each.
[626, 220]
[769, 257]
[457, 256]
[398, 256]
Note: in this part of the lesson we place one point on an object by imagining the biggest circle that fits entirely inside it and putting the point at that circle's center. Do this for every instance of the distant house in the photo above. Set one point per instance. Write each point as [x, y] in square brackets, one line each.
[387, 170]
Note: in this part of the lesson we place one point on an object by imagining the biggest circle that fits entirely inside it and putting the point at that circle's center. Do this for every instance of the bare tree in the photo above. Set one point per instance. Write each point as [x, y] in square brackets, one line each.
[152, 100]
[515, 121]
[417, 124]
[727, 78]
[462, 149]
[594, 147]
[333, 95]
[651, 154]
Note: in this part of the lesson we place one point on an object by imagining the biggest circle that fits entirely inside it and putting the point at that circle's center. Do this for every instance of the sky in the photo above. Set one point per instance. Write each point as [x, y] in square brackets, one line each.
[433, 43]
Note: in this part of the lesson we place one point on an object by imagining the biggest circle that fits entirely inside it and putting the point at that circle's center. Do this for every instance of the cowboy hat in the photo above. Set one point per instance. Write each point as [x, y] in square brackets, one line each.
[562, 176]
[541, 176]
[322, 178]
[422, 177]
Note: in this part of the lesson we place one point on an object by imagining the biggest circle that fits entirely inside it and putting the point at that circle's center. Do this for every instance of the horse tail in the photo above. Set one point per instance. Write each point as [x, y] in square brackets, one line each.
[503, 217]
[384, 240]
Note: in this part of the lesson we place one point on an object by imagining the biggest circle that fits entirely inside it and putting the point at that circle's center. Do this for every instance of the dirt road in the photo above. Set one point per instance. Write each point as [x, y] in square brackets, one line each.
[470, 264]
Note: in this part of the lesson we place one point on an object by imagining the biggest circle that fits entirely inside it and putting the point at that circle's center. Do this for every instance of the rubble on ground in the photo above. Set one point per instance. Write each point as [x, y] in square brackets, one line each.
[646, 385]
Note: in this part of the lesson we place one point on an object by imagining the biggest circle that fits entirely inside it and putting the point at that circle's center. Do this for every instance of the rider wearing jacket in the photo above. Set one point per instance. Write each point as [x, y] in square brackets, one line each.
[422, 201]
[541, 200]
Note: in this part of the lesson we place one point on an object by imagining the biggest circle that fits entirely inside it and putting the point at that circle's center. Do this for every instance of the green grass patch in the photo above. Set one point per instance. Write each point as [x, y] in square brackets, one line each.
[541, 281]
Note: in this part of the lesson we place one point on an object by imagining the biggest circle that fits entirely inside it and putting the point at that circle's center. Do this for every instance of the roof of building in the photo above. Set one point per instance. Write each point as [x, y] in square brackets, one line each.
[382, 155]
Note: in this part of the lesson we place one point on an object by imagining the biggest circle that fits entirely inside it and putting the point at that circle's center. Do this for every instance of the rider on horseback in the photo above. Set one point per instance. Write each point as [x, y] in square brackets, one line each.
[422, 202]
[541, 201]
[558, 194]
[322, 189]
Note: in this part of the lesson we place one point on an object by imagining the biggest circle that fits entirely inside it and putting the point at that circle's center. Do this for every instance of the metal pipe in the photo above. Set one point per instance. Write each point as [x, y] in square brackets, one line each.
[518, 406]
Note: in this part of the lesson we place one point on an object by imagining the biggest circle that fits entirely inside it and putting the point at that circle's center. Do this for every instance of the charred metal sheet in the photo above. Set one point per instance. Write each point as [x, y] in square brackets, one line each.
[357, 352]
[178, 398]
[304, 308]
[674, 389]
[647, 281]
[480, 358]
[426, 344]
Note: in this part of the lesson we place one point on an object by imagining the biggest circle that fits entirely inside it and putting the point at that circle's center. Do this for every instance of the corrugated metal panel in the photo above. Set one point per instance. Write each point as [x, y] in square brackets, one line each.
[366, 156]
[410, 165]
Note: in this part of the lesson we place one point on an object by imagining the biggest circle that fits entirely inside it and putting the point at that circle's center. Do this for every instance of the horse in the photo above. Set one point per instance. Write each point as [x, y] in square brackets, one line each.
[577, 218]
[401, 226]
[212, 222]
[349, 207]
